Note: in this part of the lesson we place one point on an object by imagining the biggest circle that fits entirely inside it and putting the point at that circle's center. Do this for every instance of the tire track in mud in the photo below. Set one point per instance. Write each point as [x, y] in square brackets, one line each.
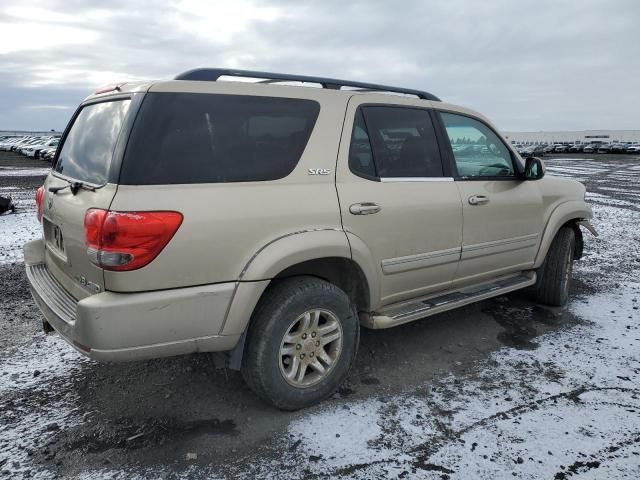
[428, 449]
[424, 452]
[598, 458]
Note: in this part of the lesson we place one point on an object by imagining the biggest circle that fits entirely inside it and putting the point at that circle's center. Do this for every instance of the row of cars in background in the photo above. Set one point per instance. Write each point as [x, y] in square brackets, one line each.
[596, 147]
[34, 146]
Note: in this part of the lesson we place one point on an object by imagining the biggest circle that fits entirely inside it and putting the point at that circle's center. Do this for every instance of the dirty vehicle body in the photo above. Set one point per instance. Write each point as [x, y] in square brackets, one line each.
[272, 221]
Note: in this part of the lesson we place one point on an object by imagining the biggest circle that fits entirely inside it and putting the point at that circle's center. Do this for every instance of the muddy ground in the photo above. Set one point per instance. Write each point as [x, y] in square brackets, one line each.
[501, 389]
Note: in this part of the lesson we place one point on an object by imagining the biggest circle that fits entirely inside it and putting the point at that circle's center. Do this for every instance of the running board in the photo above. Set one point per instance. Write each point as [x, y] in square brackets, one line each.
[409, 311]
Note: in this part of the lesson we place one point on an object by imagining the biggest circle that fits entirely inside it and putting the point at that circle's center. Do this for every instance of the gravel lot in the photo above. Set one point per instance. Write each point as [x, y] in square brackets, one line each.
[501, 389]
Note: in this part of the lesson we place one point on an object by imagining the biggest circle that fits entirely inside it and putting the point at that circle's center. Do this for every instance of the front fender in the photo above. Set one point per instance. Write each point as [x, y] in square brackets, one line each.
[564, 212]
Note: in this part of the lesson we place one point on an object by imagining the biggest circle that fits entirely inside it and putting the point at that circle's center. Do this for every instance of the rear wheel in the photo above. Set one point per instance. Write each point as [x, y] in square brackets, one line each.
[301, 343]
[554, 276]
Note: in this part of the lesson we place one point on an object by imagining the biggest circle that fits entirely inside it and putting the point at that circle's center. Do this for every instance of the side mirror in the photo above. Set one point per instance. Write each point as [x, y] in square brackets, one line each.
[533, 168]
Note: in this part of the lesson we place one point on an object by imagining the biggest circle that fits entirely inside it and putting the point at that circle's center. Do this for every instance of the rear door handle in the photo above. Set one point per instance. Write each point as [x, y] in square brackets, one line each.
[364, 208]
[478, 200]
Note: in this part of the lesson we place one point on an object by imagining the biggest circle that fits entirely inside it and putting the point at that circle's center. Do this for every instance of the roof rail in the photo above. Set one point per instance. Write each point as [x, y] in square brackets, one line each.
[213, 74]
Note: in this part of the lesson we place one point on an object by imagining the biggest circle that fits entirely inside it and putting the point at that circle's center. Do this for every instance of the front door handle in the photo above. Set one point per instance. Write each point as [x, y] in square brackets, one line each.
[364, 208]
[478, 200]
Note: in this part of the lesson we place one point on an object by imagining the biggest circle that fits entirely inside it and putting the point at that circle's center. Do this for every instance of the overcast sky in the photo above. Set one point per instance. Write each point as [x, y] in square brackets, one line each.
[527, 65]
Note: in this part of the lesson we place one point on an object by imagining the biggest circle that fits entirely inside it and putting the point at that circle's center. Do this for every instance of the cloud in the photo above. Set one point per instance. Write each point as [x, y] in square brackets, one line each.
[528, 65]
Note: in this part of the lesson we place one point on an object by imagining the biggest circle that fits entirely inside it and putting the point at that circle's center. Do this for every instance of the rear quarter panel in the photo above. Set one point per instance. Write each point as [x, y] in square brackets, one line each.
[226, 224]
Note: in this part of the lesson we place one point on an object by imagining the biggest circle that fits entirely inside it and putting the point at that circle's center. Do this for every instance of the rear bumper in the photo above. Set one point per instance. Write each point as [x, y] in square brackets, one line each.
[113, 326]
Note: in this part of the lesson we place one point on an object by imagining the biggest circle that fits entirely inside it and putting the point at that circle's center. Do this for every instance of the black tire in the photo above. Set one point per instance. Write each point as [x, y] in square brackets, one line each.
[281, 305]
[554, 275]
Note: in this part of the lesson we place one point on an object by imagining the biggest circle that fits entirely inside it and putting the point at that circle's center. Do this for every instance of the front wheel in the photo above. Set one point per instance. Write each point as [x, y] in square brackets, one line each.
[554, 276]
[301, 343]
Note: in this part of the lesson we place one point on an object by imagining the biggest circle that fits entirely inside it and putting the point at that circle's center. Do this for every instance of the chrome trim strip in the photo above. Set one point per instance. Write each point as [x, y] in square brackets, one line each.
[499, 243]
[415, 179]
[420, 256]
[420, 260]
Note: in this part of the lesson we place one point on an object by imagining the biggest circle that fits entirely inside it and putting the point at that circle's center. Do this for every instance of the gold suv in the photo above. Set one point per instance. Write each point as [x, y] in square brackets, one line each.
[271, 220]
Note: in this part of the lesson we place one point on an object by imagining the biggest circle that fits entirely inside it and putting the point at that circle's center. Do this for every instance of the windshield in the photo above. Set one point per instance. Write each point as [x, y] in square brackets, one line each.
[87, 150]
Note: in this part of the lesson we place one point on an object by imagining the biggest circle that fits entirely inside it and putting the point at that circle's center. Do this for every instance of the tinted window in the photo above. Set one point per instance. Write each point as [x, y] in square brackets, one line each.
[203, 138]
[360, 153]
[88, 148]
[477, 150]
[404, 142]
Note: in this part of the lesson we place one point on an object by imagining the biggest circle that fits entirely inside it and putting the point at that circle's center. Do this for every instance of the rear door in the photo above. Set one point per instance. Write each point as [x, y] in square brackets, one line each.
[502, 213]
[80, 180]
[397, 197]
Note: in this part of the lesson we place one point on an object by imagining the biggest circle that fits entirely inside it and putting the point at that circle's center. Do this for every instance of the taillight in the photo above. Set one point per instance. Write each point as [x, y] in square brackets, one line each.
[127, 240]
[39, 197]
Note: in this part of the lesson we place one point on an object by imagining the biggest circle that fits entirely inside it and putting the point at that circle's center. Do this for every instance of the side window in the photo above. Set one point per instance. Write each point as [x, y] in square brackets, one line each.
[360, 153]
[477, 150]
[400, 142]
[205, 138]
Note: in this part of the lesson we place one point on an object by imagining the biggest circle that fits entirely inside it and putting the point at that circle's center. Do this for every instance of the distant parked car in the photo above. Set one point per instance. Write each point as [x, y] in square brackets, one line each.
[604, 148]
[526, 151]
[576, 148]
[592, 148]
[549, 148]
[633, 149]
[7, 144]
[532, 151]
[560, 148]
[22, 145]
[48, 153]
[34, 150]
[538, 151]
[618, 148]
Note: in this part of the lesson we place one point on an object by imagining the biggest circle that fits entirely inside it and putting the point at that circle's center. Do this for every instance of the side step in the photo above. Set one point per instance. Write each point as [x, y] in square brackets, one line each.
[408, 311]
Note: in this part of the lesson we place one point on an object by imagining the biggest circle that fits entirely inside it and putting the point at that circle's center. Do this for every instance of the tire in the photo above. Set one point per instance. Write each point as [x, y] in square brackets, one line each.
[285, 309]
[554, 275]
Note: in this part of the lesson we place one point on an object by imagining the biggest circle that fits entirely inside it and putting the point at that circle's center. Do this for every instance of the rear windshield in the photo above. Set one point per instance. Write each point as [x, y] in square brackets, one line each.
[87, 150]
[205, 138]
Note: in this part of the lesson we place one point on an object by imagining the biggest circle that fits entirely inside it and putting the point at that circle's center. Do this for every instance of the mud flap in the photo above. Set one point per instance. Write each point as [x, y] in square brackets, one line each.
[46, 327]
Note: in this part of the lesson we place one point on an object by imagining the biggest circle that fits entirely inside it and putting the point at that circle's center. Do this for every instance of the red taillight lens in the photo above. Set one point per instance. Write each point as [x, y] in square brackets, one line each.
[39, 197]
[127, 240]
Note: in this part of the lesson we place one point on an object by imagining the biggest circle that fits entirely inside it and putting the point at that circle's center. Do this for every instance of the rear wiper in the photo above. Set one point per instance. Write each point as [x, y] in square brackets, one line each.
[74, 186]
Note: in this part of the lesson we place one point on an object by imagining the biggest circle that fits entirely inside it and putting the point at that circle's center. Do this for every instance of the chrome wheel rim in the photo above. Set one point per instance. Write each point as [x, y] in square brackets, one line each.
[310, 348]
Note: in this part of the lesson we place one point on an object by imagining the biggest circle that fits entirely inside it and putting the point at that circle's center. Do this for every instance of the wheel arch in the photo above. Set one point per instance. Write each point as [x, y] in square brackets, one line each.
[324, 254]
[566, 214]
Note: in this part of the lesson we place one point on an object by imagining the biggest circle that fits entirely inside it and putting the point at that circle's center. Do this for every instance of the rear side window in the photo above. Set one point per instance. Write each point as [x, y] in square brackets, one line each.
[403, 141]
[88, 148]
[204, 138]
[360, 152]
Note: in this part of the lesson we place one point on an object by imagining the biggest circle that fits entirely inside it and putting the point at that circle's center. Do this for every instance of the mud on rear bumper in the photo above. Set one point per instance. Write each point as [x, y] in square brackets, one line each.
[113, 326]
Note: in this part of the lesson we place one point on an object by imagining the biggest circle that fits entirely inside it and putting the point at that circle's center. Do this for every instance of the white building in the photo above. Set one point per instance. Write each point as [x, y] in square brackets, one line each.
[579, 136]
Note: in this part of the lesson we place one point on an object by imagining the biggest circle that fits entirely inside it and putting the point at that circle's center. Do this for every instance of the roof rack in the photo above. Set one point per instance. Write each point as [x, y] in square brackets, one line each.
[213, 74]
